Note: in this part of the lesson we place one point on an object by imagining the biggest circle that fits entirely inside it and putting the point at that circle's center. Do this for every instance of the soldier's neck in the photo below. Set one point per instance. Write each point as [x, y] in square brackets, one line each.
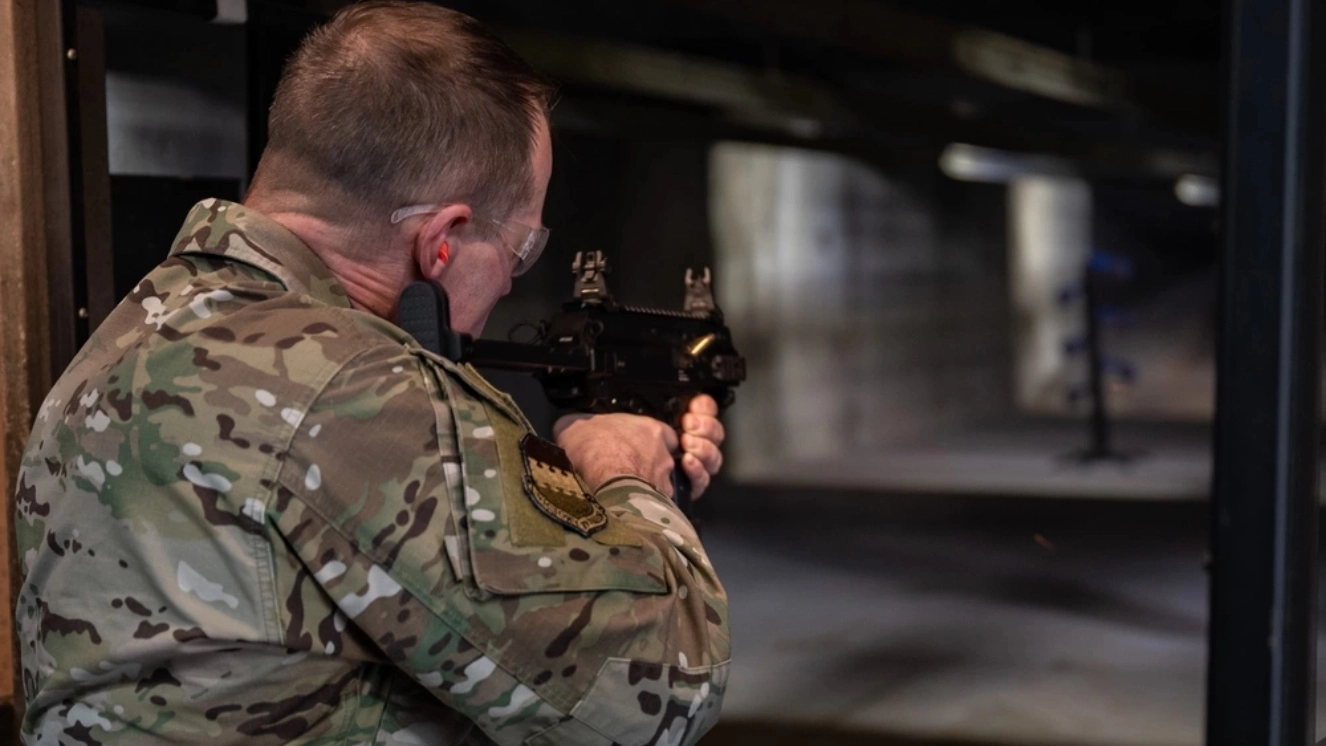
[372, 279]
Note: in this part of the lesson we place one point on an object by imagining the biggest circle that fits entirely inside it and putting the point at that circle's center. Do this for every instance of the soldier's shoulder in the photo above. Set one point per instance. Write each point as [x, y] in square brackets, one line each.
[239, 311]
[222, 341]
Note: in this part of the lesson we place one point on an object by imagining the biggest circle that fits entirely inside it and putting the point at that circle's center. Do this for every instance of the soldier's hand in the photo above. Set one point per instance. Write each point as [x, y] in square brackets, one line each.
[701, 439]
[603, 446]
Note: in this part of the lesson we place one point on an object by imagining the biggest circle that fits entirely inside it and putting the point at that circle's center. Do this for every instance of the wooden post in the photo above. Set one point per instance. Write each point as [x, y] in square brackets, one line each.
[29, 196]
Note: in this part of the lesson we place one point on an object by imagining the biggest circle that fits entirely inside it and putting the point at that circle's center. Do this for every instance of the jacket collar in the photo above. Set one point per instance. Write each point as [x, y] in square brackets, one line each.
[223, 228]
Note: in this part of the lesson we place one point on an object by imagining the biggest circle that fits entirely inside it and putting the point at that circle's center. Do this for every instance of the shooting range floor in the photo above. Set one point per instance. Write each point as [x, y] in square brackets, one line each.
[862, 618]
[1018, 457]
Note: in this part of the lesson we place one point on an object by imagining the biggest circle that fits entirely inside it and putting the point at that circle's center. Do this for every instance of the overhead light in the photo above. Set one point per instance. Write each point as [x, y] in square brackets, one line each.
[973, 163]
[804, 128]
[1197, 191]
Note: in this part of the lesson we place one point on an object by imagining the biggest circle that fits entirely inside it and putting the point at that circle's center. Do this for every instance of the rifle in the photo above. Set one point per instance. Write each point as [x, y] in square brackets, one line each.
[598, 356]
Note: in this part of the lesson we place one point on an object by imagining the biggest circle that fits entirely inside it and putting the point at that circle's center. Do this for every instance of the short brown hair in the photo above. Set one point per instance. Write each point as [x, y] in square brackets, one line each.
[401, 102]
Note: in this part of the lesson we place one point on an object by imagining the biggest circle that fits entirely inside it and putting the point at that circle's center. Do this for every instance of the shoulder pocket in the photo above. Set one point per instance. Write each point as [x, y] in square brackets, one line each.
[513, 548]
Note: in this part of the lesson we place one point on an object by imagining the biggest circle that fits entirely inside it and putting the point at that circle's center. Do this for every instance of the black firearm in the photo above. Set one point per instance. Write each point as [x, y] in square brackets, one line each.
[598, 356]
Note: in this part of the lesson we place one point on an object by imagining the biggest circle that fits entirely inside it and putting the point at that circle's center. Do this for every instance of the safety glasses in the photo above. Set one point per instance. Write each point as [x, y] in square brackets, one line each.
[527, 247]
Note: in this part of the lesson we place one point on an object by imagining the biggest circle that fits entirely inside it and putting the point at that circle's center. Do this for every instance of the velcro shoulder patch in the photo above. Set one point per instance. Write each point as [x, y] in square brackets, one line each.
[554, 488]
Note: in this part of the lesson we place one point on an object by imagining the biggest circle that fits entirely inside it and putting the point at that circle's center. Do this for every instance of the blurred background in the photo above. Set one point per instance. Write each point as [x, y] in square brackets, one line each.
[929, 223]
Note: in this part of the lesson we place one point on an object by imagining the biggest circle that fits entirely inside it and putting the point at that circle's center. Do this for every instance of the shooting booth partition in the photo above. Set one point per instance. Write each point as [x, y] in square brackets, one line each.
[1266, 503]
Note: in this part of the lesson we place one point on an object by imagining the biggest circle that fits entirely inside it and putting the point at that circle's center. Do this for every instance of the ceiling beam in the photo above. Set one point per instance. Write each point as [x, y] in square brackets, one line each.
[881, 30]
[788, 108]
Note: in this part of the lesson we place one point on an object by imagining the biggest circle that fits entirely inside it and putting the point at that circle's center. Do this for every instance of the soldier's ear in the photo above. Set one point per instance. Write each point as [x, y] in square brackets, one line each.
[436, 240]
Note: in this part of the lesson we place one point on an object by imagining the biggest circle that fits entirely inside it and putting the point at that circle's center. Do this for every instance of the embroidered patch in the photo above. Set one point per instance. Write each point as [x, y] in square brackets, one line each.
[555, 489]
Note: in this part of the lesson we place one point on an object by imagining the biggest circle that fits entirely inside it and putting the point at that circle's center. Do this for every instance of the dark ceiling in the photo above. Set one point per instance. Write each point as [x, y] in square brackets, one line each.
[1120, 33]
[1153, 66]
[1127, 88]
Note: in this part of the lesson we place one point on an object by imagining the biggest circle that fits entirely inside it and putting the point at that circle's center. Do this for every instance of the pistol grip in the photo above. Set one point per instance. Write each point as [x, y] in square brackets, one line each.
[681, 493]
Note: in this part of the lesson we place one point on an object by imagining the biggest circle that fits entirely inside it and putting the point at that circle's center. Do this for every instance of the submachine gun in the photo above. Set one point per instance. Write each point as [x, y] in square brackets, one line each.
[599, 356]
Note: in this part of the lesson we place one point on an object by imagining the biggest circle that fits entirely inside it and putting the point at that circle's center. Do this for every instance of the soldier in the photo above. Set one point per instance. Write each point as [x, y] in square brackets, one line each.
[254, 511]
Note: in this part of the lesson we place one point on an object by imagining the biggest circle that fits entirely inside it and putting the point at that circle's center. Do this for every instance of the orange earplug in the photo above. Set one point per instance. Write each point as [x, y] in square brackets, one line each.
[444, 252]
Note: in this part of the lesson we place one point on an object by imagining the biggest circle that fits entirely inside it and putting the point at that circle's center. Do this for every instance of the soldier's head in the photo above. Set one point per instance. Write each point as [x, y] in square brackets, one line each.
[407, 142]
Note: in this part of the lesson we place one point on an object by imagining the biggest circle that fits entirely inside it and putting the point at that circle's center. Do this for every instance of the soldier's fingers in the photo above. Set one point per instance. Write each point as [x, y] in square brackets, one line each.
[704, 426]
[704, 404]
[708, 453]
[695, 471]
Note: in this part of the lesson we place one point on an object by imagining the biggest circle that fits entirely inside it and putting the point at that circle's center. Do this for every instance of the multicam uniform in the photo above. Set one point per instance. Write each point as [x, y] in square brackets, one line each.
[251, 514]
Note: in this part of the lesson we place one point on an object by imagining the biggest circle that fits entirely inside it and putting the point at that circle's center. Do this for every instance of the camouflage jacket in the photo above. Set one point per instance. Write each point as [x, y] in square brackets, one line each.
[249, 513]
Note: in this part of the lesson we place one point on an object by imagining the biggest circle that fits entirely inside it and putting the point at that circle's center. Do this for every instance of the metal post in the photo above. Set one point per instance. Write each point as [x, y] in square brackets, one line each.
[1100, 424]
[1260, 688]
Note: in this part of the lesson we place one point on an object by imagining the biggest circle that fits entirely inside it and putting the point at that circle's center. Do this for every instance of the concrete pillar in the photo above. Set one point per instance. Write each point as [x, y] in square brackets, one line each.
[1050, 241]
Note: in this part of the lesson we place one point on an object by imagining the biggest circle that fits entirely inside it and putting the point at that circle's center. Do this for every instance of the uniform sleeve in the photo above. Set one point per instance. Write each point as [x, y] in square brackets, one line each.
[539, 636]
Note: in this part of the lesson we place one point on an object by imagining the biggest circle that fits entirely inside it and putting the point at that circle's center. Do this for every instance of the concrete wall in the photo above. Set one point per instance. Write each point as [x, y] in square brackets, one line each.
[873, 307]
